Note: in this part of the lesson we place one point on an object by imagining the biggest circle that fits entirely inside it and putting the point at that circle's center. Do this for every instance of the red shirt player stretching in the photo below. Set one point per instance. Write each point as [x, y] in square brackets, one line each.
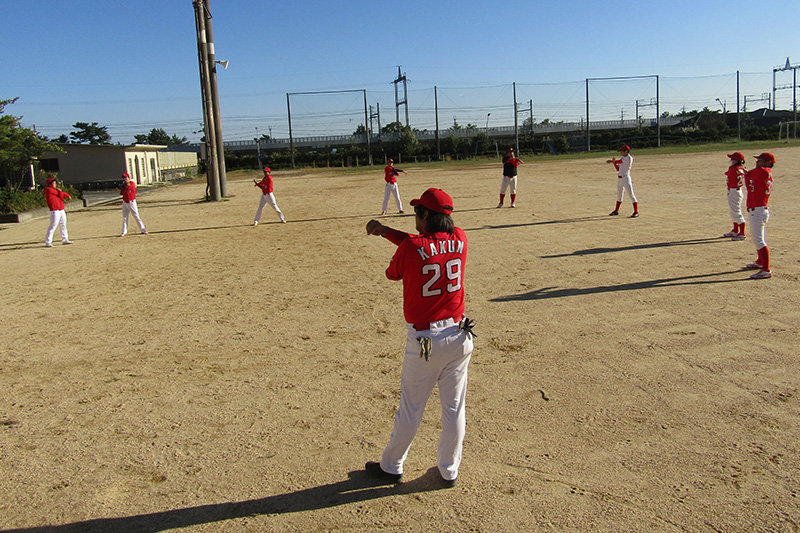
[759, 186]
[735, 175]
[439, 341]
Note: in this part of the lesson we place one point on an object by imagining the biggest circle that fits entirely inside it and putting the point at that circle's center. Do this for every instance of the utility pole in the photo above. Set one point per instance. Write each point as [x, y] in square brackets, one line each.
[209, 128]
[212, 69]
[436, 108]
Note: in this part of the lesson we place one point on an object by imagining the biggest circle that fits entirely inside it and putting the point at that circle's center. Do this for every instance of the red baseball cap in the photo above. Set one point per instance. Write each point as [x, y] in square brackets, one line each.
[50, 180]
[624, 147]
[267, 169]
[435, 200]
[737, 156]
[126, 175]
[766, 156]
[390, 160]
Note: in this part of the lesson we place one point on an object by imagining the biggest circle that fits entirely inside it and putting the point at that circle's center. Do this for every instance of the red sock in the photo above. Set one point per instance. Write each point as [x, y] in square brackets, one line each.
[635, 207]
[618, 204]
[735, 227]
[502, 196]
[763, 258]
[741, 228]
[513, 198]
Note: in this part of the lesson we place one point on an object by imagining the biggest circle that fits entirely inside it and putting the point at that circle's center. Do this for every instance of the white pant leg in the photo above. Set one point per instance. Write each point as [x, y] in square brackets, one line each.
[624, 184]
[396, 192]
[735, 204]
[133, 209]
[57, 218]
[450, 356]
[391, 189]
[758, 222]
[267, 199]
[504, 185]
[125, 211]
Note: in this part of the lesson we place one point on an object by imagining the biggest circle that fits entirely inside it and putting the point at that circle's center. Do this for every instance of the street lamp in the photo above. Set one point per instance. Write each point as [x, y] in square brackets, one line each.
[487, 124]
[722, 104]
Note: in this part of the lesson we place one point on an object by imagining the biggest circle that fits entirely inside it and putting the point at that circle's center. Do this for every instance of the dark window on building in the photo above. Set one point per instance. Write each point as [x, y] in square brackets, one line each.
[49, 165]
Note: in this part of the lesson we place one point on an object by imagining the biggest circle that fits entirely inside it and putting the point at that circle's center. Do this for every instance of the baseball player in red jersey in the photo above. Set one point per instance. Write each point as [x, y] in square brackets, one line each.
[390, 176]
[624, 182]
[58, 215]
[267, 196]
[735, 174]
[439, 340]
[128, 192]
[510, 164]
[759, 186]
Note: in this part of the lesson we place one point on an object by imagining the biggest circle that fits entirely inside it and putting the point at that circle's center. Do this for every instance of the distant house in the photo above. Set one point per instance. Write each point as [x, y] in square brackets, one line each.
[87, 166]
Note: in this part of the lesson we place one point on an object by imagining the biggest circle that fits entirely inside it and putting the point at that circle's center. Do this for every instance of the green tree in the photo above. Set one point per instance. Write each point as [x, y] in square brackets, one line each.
[86, 133]
[19, 147]
[159, 136]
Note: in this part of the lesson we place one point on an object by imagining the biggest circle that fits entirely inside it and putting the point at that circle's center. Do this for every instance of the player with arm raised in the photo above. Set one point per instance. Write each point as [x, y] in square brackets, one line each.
[439, 337]
[390, 174]
[624, 181]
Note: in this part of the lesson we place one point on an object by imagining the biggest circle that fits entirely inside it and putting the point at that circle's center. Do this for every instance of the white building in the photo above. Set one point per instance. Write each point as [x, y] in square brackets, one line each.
[87, 166]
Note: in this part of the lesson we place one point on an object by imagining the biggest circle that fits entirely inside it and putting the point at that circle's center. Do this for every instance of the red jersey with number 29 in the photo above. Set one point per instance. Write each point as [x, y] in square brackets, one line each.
[432, 270]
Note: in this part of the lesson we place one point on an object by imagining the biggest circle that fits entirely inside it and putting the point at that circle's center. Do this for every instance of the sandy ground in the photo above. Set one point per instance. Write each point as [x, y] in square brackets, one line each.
[213, 376]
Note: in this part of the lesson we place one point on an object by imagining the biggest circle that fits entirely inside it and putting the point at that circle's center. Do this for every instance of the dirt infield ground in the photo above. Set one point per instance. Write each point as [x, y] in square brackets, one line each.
[213, 376]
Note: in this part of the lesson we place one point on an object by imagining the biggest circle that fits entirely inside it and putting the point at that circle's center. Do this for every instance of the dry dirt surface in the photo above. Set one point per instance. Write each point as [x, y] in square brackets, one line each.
[214, 376]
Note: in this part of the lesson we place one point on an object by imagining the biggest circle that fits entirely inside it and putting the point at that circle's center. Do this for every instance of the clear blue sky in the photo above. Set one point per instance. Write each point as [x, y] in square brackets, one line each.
[132, 66]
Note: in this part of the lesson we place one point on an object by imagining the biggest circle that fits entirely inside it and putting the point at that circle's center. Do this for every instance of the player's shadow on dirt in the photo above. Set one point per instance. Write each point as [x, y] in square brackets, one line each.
[552, 292]
[359, 487]
[537, 223]
[590, 251]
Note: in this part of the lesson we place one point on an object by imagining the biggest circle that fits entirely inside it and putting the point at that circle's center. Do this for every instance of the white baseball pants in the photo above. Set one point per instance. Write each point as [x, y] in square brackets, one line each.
[758, 218]
[735, 203]
[624, 184]
[268, 198]
[391, 188]
[130, 208]
[508, 181]
[57, 218]
[449, 360]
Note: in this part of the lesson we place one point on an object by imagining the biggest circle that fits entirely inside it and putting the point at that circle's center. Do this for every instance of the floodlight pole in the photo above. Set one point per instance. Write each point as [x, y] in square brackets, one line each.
[516, 120]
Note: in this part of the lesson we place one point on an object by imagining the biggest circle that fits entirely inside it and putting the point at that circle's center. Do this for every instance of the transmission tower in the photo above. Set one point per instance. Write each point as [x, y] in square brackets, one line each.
[401, 77]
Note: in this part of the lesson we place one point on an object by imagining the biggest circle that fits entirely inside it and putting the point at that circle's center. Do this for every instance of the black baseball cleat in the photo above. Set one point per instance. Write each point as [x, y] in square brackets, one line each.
[635, 215]
[613, 213]
[374, 469]
[449, 483]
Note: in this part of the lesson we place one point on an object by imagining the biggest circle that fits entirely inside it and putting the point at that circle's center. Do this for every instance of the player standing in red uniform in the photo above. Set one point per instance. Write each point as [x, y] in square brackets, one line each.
[128, 192]
[510, 164]
[759, 186]
[624, 180]
[439, 341]
[390, 177]
[58, 215]
[735, 174]
[267, 197]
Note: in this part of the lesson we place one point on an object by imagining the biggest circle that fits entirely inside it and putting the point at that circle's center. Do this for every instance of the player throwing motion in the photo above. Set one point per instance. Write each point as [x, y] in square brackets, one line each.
[267, 197]
[759, 186]
[128, 192]
[390, 176]
[624, 182]
[735, 174]
[58, 215]
[510, 164]
[439, 341]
